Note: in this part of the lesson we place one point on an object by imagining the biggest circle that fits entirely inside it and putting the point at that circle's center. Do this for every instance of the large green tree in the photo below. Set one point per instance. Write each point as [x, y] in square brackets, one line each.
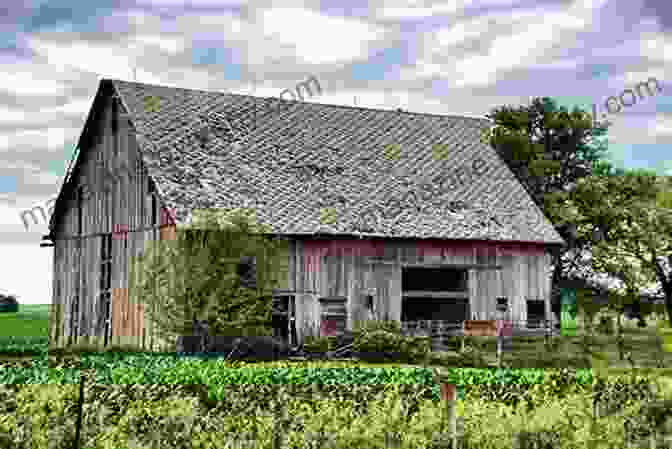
[221, 268]
[627, 222]
[549, 149]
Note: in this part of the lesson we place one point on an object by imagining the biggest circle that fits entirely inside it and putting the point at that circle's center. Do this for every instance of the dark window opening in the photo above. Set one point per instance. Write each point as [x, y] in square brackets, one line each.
[74, 307]
[115, 120]
[154, 221]
[106, 285]
[418, 309]
[535, 313]
[369, 302]
[434, 279]
[436, 294]
[284, 319]
[247, 272]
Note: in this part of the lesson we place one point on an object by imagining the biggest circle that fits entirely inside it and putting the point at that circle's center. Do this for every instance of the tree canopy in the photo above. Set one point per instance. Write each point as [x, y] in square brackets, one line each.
[626, 220]
[549, 149]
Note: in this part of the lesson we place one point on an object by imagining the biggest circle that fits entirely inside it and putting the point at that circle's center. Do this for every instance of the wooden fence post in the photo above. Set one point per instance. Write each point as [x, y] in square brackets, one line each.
[80, 410]
[448, 395]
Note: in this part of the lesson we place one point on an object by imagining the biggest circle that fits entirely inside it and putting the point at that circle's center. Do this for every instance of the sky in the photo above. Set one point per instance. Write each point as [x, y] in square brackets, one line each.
[457, 57]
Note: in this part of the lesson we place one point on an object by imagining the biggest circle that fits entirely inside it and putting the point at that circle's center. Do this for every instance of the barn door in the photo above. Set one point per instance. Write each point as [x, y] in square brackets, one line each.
[284, 319]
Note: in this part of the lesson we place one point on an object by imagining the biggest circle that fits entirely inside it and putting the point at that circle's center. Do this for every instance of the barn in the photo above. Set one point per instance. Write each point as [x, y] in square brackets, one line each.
[387, 214]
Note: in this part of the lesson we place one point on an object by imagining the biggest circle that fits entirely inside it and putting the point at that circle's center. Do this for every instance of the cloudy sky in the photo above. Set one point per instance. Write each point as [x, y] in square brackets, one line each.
[455, 57]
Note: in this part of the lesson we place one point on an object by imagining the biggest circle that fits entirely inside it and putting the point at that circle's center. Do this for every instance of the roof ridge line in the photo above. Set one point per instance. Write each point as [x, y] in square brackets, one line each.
[361, 108]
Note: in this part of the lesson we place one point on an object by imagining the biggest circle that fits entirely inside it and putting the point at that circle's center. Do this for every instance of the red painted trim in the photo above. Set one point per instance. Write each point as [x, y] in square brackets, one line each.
[314, 250]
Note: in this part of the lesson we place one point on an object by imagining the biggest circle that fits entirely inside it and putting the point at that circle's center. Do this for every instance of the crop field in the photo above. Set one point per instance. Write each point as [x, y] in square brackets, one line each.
[533, 402]
[32, 320]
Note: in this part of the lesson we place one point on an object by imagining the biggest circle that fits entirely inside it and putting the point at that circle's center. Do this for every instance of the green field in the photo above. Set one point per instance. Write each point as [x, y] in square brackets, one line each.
[642, 346]
[32, 320]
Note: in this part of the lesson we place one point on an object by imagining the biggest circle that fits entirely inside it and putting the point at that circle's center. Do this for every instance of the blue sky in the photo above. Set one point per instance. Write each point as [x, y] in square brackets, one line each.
[460, 57]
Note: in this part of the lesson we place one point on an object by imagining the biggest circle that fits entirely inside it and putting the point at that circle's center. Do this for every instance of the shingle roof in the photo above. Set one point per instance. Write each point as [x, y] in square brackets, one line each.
[371, 192]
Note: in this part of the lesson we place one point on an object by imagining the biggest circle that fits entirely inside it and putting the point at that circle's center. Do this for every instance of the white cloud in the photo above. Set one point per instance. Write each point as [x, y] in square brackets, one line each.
[518, 50]
[340, 39]
[212, 23]
[462, 31]
[657, 48]
[633, 78]
[104, 60]
[52, 139]
[167, 43]
[26, 82]
[22, 282]
[191, 2]
[661, 126]
[401, 9]
[536, 32]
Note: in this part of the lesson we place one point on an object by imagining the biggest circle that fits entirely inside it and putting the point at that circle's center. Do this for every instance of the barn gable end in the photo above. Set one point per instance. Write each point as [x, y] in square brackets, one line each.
[106, 210]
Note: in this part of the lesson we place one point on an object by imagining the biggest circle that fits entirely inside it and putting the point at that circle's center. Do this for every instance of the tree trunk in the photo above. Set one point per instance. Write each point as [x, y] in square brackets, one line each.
[556, 298]
[667, 288]
[619, 334]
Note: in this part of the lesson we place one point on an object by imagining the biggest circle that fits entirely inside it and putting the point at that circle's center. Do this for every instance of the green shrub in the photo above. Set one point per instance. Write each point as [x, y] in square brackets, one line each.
[319, 344]
[382, 340]
[606, 325]
[9, 308]
[8, 304]
[374, 325]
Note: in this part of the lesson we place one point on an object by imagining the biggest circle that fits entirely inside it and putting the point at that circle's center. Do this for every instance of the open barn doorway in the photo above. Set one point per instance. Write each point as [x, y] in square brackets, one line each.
[435, 294]
[284, 319]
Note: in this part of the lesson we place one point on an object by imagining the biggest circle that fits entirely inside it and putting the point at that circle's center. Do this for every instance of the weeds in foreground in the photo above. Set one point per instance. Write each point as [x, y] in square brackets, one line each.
[390, 419]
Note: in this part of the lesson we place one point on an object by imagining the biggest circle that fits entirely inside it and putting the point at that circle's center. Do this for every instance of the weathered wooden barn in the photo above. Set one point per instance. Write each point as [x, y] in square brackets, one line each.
[387, 214]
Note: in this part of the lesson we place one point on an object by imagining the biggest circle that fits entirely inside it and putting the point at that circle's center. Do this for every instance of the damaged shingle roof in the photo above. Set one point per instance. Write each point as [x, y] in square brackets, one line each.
[307, 160]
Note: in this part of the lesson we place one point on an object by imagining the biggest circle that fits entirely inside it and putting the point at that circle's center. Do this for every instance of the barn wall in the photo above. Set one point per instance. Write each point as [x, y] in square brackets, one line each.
[333, 268]
[118, 207]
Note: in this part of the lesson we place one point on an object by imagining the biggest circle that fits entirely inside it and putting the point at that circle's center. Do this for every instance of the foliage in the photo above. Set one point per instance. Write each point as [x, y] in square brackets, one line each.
[198, 276]
[549, 149]
[372, 408]
[8, 304]
[382, 340]
[319, 344]
[546, 146]
[606, 325]
[627, 222]
[364, 326]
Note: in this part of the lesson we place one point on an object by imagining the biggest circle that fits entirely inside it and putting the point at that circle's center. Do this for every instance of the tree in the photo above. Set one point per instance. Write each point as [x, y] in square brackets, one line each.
[8, 303]
[627, 222]
[549, 149]
[221, 269]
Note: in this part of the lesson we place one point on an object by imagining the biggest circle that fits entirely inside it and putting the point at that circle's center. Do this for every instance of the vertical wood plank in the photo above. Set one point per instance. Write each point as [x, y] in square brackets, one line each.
[353, 287]
[474, 303]
[394, 298]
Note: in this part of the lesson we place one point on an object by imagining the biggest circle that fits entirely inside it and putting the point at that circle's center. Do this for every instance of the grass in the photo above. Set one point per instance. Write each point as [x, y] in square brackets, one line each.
[643, 345]
[32, 320]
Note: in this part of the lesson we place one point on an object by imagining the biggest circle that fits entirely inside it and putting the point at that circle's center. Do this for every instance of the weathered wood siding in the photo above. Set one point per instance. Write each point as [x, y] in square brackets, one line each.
[118, 207]
[352, 268]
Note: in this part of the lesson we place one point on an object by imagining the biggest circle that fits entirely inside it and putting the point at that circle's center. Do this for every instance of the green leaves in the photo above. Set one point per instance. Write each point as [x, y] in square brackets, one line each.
[196, 275]
[625, 222]
[546, 146]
